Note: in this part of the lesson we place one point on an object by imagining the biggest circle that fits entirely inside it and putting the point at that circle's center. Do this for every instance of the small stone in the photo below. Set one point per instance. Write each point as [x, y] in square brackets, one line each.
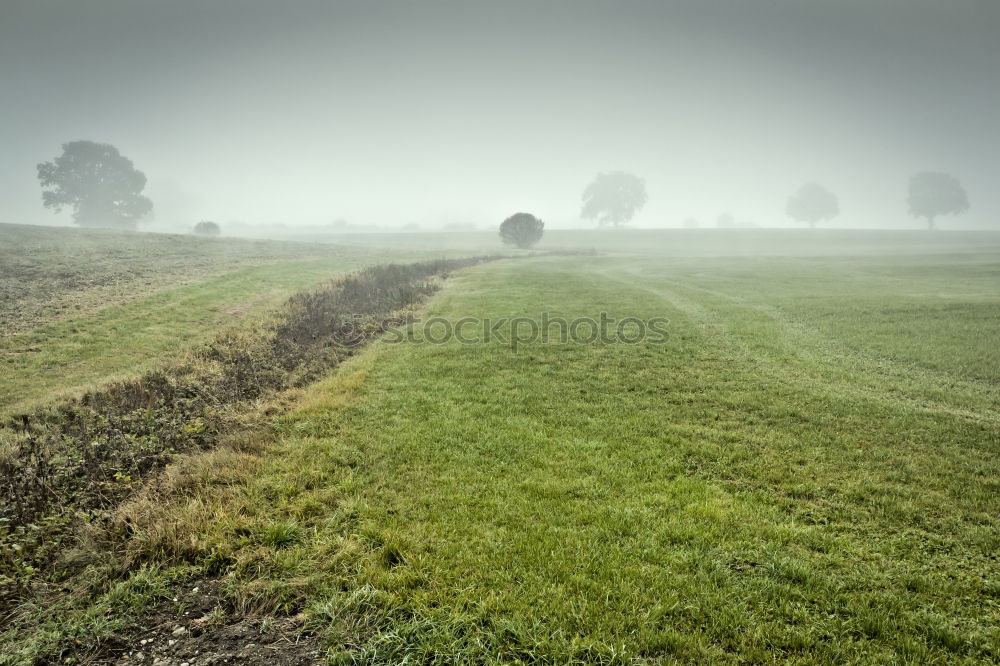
[194, 591]
[178, 631]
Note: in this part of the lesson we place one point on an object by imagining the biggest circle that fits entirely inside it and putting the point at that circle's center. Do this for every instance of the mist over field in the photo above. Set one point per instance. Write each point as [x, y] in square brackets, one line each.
[474, 333]
[438, 114]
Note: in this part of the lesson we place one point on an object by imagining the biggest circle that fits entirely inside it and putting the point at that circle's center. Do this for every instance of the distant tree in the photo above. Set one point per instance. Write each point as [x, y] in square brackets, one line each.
[101, 185]
[521, 230]
[932, 194]
[812, 203]
[725, 221]
[613, 198]
[207, 228]
[459, 226]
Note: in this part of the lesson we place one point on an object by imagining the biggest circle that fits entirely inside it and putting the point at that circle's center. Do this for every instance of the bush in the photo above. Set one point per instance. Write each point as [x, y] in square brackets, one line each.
[207, 228]
[521, 230]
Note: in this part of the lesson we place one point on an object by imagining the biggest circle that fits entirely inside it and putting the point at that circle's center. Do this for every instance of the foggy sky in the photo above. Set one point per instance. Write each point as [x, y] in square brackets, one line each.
[435, 112]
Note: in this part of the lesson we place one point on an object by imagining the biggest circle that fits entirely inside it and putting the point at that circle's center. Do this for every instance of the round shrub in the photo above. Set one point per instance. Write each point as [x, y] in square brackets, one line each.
[521, 230]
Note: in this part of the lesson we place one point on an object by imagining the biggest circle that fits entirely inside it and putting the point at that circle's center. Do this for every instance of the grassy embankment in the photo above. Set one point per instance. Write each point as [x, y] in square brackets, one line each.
[806, 471]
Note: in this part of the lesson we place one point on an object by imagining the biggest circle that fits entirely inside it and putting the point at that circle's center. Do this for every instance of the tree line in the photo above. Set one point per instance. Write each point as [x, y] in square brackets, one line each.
[104, 189]
[613, 199]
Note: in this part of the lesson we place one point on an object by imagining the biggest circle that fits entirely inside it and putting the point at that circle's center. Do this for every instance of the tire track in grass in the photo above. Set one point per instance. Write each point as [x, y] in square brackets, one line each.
[602, 500]
[836, 369]
[813, 339]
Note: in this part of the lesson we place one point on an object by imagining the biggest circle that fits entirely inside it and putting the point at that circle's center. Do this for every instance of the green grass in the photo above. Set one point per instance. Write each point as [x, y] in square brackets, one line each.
[51, 274]
[807, 472]
[86, 307]
[789, 478]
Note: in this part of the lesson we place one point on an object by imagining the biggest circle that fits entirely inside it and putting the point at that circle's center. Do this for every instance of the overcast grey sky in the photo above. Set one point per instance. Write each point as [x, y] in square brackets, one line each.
[437, 112]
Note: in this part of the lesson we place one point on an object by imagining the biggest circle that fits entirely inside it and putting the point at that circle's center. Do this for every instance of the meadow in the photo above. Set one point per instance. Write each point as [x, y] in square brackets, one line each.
[704, 242]
[84, 307]
[806, 472]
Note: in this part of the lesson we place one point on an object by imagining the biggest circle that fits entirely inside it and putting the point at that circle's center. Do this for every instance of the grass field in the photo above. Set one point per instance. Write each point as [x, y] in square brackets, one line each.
[807, 471]
[82, 307]
[789, 477]
[702, 242]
